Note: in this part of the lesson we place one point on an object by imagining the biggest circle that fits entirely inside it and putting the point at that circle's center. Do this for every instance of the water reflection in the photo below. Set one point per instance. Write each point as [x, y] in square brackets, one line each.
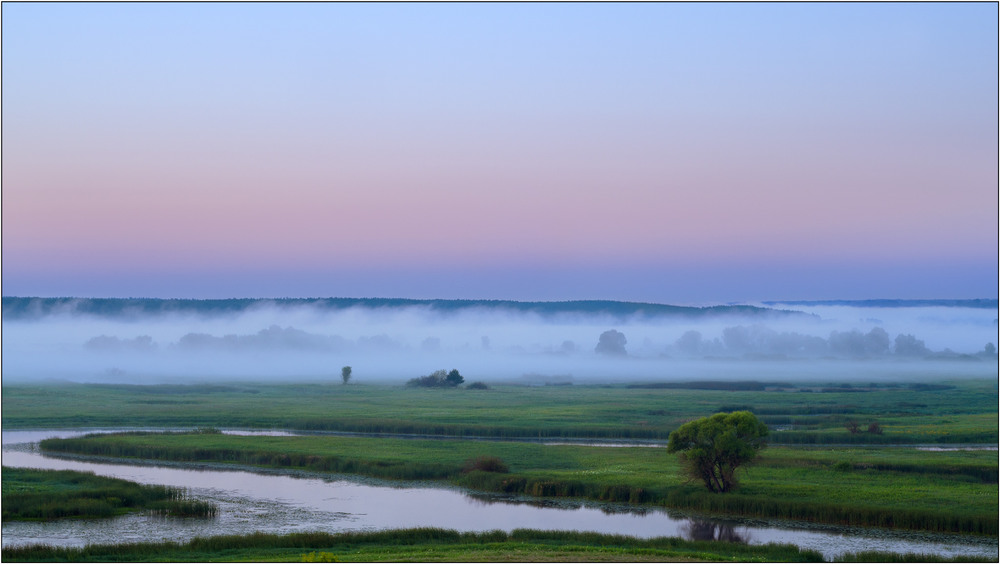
[701, 530]
[486, 499]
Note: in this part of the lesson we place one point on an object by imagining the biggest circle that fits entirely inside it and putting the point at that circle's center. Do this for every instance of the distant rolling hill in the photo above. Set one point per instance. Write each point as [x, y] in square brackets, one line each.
[975, 303]
[29, 307]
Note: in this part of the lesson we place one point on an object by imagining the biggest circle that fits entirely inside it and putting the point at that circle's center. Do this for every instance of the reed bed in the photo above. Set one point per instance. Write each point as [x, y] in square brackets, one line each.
[42, 495]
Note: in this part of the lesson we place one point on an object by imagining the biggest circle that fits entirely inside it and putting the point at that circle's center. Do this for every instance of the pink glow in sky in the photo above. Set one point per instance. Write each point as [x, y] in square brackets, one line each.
[215, 143]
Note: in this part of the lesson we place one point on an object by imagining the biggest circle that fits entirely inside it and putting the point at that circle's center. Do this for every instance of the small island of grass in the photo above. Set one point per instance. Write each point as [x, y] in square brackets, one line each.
[40, 495]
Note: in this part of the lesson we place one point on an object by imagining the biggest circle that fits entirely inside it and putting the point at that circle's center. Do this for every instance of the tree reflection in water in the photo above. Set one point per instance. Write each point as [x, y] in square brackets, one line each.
[712, 531]
[607, 509]
[494, 499]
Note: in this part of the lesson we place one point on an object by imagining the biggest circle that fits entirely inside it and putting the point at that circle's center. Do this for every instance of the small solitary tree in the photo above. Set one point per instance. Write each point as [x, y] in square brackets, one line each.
[345, 374]
[712, 448]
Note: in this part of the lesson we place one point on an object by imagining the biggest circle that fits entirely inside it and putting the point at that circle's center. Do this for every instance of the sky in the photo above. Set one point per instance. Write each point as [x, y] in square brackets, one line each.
[688, 153]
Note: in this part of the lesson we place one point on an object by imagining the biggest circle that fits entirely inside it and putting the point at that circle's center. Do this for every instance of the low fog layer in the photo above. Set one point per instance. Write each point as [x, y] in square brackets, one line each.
[298, 341]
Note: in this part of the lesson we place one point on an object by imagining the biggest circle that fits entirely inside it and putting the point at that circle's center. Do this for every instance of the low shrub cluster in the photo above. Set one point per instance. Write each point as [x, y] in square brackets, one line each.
[486, 464]
[438, 379]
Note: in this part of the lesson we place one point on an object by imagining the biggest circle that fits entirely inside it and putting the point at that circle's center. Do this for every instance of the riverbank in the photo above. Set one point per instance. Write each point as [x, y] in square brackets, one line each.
[285, 501]
[953, 491]
[426, 545]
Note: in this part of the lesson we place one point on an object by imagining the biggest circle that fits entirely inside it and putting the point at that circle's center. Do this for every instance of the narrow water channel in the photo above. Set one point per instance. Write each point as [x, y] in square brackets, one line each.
[284, 503]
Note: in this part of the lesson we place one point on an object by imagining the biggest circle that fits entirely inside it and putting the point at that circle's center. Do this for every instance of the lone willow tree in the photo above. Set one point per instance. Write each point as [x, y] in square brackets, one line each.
[712, 448]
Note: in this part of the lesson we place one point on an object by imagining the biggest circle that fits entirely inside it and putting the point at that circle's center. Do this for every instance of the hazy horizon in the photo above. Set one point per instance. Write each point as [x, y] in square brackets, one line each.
[299, 341]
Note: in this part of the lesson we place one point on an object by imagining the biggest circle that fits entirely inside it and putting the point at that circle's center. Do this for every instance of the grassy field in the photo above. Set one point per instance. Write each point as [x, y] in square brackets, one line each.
[959, 411]
[954, 491]
[39, 495]
[436, 545]
[854, 479]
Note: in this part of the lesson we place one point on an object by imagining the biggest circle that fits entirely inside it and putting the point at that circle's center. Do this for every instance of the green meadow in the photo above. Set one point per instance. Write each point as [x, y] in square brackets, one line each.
[959, 411]
[814, 470]
[420, 545]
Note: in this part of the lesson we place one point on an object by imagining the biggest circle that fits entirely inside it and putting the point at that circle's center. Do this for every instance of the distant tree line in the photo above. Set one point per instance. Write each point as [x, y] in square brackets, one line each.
[759, 340]
[26, 307]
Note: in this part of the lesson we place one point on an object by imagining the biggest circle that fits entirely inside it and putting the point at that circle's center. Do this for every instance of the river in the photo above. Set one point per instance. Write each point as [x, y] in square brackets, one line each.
[277, 502]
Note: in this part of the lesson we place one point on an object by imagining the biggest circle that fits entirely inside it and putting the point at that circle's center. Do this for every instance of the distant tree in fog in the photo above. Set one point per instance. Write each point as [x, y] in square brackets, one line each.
[689, 343]
[736, 339]
[753, 339]
[877, 341]
[142, 343]
[908, 345]
[271, 338]
[762, 340]
[612, 343]
[345, 374]
[855, 343]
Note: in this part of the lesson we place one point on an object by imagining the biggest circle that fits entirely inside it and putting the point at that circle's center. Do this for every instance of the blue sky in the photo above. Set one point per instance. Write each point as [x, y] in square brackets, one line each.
[690, 152]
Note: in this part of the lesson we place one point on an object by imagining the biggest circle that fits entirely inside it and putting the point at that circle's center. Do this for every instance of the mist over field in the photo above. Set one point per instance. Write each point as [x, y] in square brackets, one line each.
[147, 342]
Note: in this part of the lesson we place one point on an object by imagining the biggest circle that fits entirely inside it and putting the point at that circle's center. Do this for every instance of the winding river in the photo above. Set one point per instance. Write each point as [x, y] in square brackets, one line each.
[293, 502]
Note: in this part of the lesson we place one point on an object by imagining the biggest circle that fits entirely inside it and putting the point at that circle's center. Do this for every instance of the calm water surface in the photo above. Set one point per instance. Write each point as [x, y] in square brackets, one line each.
[282, 503]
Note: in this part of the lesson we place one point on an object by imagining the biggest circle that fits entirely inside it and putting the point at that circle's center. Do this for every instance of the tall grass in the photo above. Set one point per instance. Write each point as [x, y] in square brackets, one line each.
[37, 495]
